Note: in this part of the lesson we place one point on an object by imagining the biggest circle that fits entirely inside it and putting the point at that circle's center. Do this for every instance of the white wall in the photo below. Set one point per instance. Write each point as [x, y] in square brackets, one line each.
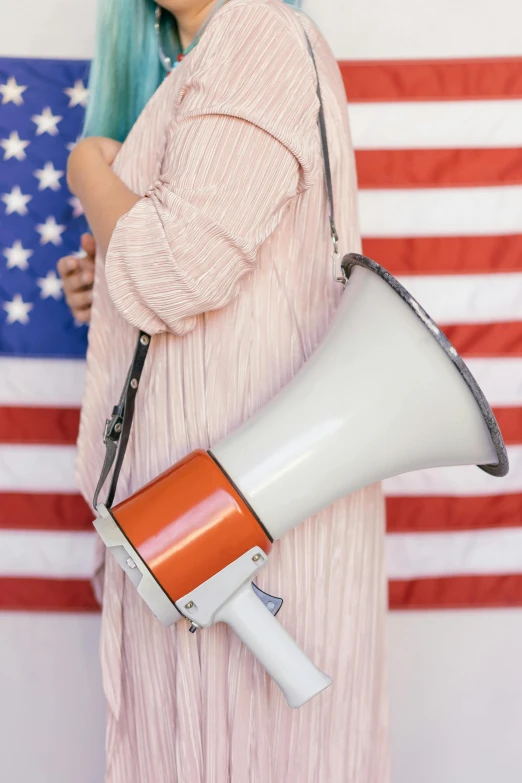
[356, 29]
[456, 692]
[418, 29]
[456, 686]
[52, 709]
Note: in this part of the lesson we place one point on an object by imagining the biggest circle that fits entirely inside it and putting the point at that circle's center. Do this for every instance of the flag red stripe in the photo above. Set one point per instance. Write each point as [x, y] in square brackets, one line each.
[443, 514]
[38, 511]
[52, 426]
[432, 80]
[432, 168]
[473, 340]
[50, 595]
[486, 340]
[510, 423]
[71, 513]
[446, 255]
[456, 592]
[69, 595]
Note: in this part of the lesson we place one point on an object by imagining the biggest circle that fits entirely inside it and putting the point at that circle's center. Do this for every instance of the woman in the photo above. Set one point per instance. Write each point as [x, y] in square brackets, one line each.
[211, 231]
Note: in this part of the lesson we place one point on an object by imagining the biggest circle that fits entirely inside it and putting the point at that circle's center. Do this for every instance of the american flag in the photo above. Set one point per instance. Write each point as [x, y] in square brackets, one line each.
[45, 526]
[440, 175]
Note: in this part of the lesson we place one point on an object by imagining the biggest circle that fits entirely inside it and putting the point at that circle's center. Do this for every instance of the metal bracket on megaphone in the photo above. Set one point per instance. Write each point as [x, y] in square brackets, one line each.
[337, 270]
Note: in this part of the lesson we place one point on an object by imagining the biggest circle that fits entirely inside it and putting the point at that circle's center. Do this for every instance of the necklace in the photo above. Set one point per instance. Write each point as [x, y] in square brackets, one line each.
[166, 61]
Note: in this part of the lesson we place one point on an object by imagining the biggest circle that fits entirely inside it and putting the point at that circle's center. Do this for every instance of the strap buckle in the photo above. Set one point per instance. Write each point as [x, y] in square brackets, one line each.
[337, 270]
[113, 426]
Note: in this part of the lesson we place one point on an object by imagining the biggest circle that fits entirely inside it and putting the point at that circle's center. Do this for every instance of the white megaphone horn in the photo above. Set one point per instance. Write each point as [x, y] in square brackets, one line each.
[384, 393]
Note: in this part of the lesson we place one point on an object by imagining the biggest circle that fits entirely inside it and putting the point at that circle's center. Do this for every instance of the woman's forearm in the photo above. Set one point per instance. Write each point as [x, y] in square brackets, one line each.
[101, 192]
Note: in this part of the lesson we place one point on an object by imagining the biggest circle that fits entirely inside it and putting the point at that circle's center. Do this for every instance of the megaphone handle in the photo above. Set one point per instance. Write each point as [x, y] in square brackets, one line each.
[283, 659]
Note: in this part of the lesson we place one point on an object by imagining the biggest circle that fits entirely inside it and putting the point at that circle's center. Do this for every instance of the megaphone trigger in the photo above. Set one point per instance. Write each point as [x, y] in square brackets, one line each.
[272, 603]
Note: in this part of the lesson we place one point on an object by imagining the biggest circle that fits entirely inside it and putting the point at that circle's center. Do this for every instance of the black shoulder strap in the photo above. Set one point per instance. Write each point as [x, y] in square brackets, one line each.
[118, 427]
[337, 273]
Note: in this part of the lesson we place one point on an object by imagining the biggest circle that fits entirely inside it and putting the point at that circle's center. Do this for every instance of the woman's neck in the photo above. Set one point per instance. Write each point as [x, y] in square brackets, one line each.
[190, 20]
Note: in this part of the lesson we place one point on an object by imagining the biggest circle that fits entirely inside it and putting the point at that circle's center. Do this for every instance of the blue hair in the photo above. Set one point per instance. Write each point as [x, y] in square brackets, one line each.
[126, 69]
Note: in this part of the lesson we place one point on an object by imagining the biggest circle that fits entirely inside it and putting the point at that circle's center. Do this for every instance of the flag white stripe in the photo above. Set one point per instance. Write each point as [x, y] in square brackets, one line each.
[54, 554]
[42, 382]
[409, 555]
[423, 555]
[441, 211]
[37, 469]
[50, 383]
[499, 379]
[436, 124]
[468, 299]
[51, 469]
[460, 481]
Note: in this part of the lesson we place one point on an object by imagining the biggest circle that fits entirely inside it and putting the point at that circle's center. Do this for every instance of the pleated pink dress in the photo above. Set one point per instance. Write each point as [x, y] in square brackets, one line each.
[226, 261]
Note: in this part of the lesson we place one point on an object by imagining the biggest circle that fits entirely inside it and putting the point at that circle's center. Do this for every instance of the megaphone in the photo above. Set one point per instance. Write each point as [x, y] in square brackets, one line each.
[384, 393]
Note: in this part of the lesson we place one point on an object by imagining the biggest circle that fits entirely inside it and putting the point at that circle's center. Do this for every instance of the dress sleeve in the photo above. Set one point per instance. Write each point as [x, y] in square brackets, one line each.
[240, 148]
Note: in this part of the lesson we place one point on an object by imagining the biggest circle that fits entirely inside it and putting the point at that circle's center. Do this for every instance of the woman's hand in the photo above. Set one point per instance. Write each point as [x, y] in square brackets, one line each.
[81, 158]
[78, 277]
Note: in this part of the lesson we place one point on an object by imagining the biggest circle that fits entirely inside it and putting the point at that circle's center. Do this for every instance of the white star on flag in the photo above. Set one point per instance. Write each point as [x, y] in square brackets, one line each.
[78, 94]
[11, 91]
[46, 122]
[76, 204]
[72, 144]
[49, 177]
[51, 285]
[14, 146]
[17, 310]
[50, 231]
[17, 256]
[16, 201]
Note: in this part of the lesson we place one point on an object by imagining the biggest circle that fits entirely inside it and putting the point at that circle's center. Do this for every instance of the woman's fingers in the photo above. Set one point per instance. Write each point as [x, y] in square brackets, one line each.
[77, 276]
[67, 266]
[77, 288]
[88, 244]
[86, 271]
[78, 297]
[79, 300]
[80, 279]
[82, 316]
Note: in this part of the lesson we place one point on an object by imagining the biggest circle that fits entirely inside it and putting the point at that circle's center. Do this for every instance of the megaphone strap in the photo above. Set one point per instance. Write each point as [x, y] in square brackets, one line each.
[117, 428]
[337, 271]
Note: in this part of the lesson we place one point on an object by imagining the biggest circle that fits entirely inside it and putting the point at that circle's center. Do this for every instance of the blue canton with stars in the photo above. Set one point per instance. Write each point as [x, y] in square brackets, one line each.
[42, 106]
